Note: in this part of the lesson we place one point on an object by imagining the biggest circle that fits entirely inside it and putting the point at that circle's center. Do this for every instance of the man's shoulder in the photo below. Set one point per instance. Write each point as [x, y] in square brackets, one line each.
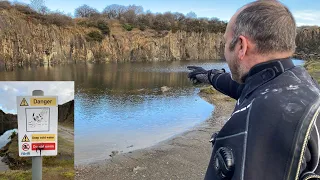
[293, 91]
[295, 85]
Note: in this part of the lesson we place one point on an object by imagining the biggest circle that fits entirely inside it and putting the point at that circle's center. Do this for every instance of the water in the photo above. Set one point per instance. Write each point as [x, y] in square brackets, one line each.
[120, 106]
[131, 112]
[4, 139]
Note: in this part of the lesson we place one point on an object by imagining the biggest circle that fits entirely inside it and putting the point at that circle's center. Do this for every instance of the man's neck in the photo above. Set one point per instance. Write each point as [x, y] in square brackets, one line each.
[267, 64]
[261, 58]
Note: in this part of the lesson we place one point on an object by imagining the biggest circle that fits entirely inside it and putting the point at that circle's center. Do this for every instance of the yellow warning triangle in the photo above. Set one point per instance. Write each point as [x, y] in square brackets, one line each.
[24, 102]
[25, 138]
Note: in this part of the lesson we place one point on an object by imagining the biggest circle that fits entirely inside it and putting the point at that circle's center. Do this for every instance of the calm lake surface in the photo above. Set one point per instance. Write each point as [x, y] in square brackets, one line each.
[120, 106]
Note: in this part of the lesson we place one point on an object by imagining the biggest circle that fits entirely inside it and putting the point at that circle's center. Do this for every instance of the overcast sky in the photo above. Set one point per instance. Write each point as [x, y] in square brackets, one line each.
[9, 90]
[306, 12]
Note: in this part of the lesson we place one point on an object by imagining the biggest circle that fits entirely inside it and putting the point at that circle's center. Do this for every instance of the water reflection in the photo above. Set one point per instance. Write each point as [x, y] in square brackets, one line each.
[115, 76]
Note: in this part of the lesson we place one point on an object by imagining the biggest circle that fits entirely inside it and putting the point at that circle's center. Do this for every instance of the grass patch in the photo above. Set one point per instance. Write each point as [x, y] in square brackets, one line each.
[52, 173]
[128, 27]
[216, 94]
[208, 90]
[16, 174]
[68, 174]
[313, 67]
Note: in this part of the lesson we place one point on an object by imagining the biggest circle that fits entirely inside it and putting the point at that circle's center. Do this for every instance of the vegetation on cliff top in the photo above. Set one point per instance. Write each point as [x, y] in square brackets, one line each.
[131, 15]
[118, 33]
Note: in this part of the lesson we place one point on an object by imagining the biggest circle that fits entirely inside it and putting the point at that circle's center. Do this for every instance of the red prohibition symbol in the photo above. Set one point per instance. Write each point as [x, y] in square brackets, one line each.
[25, 146]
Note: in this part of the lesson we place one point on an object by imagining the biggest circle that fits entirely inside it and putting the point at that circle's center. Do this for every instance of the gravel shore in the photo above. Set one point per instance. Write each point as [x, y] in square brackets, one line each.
[185, 156]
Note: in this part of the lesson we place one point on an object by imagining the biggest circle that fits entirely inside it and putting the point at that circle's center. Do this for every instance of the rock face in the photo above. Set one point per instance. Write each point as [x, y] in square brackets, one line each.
[23, 41]
[66, 112]
[7, 122]
[308, 42]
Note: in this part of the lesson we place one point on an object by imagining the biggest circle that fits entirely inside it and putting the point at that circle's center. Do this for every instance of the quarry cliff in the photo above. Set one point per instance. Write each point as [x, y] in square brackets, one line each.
[24, 40]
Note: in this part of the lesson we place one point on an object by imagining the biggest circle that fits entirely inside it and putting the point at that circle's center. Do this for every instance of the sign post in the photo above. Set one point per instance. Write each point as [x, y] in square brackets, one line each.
[37, 128]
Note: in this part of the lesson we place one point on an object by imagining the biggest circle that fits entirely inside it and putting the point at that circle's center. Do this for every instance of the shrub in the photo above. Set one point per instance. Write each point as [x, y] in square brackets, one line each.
[142, 27]
[94, 36]
[82, 23]
[127, 27]
[174, 29]
[100, 24]
[24, 9]
[103, 27]
[5, 5]
[58, 19]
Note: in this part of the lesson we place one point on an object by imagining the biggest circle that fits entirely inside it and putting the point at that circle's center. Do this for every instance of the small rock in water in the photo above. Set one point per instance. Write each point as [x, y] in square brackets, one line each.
[113, 153]
[130, 146]
[165, 88]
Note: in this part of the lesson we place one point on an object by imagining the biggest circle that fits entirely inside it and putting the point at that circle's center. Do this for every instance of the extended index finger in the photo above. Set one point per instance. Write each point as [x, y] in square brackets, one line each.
[192, 67]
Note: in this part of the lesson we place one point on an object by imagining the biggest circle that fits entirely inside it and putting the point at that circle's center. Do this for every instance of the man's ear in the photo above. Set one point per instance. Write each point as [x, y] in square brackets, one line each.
[243, 47]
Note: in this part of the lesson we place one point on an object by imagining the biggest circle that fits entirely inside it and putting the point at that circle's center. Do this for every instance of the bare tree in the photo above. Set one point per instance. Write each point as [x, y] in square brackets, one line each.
[85, 11]
[131, 13]
[136, 9]
[191, 15]
[179, 16]
[39, 6]
[114, 11]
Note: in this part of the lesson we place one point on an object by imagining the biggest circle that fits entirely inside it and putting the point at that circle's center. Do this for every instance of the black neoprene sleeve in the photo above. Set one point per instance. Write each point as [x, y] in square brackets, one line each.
[224, 84]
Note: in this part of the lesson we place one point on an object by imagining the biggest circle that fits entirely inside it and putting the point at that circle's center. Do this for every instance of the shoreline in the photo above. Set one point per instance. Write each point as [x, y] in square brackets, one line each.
[185, 156]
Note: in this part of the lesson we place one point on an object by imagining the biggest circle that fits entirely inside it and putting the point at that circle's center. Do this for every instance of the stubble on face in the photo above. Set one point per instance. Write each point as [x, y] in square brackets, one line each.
[236, 67]
[232, 60]
[236, 70]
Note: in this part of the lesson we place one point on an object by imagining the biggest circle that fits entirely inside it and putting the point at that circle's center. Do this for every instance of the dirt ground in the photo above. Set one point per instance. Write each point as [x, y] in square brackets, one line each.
[185, 156]
[67, 133]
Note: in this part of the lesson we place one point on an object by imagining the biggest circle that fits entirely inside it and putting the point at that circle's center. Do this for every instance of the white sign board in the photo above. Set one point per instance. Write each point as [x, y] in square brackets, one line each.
[37, 125]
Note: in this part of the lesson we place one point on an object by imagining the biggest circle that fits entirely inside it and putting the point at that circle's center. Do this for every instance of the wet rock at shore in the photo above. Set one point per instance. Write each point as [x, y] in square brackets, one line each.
[165, 88]
[138, 168]
[113, 153]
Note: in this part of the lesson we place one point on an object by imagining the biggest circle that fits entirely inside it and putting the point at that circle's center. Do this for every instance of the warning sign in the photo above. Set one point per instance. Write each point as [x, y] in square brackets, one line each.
[43, 137]
[43, 101]
[25, 147]
[24, 102]
[25, 139]
[37, 125]
[43, 146]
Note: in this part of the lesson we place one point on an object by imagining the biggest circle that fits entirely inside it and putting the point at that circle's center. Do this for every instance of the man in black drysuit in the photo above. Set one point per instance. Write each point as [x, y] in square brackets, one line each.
[272, 133]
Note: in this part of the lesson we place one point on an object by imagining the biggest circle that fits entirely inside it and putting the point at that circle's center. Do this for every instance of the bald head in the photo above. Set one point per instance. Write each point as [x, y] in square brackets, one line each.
[258, 32]
[268, 23]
